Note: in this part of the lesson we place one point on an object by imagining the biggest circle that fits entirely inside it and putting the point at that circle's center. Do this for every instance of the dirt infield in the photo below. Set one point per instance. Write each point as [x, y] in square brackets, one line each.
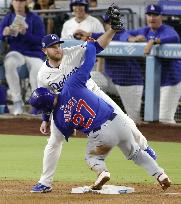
[18, 192]
[25, 125]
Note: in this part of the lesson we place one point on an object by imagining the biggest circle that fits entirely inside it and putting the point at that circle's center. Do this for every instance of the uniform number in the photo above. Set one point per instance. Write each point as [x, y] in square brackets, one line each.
[78, 119]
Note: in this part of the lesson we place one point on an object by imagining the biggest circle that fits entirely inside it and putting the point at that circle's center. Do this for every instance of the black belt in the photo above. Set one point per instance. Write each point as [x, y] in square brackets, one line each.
[112, 116]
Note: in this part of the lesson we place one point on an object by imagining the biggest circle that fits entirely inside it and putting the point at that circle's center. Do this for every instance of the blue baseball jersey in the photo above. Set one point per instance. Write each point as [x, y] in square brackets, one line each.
[77, 107]
[171, 70]
[124, 71]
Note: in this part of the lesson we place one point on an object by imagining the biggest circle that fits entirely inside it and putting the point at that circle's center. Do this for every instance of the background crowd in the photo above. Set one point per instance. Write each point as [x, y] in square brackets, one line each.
[22, 29]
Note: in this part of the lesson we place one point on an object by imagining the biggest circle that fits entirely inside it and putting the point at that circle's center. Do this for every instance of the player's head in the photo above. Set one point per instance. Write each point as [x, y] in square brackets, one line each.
[42, 100]
[51, 39]
[154, 16]
[51, 47]
[18, 6]
[76, 3]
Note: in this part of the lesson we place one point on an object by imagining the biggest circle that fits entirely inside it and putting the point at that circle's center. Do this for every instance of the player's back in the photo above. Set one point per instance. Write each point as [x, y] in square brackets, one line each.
[80, 109]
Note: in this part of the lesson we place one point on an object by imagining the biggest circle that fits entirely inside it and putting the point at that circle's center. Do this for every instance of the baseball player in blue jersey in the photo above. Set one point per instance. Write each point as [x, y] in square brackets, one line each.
[59, 66]
[76, 107]
[158, 33]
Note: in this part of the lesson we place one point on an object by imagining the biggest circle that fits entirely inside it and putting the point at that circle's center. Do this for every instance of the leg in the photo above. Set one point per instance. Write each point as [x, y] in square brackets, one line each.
[169, 98]
[33, 65]
[140, 139]
[131, 97]
[12, 61]
[132, 151]
[95, 156]
[51, 156]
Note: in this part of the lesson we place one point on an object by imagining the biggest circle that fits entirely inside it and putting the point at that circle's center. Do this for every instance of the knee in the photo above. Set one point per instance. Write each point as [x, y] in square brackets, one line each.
[9, 64]
[55, 142]
[134, 154]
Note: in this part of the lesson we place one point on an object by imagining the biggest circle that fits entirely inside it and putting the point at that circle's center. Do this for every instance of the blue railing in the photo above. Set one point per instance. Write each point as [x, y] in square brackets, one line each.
[153, 68]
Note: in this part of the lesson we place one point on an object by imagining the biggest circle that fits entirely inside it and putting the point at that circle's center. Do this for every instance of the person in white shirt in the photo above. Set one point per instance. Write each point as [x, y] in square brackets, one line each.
[81, 20]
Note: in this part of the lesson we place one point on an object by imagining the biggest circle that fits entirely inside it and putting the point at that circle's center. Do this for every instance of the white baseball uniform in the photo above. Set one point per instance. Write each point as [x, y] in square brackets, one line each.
[54, 78]
[90, 24]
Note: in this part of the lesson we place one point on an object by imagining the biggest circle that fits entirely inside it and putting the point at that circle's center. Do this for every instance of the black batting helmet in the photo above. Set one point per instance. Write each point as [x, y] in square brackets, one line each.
[79, 2]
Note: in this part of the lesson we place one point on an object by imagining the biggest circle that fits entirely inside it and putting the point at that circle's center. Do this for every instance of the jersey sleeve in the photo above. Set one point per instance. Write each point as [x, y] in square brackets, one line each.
[169, 35]
[80, 78]
[89, 61]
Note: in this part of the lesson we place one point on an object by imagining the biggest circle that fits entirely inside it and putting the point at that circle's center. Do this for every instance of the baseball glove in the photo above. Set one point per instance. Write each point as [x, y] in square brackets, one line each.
[115, 18]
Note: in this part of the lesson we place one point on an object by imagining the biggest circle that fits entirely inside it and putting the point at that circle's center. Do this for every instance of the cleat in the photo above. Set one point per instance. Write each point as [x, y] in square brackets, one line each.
[101, 180]
[164, 181]
[40, 188]
[151, 152]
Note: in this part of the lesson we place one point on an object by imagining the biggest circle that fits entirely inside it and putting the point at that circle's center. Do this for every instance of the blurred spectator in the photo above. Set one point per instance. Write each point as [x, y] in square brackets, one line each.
[48, 21]
[93, 3]
[158, 33]
[121, 77]
[81, 20]
[33, 4]
[23, 31]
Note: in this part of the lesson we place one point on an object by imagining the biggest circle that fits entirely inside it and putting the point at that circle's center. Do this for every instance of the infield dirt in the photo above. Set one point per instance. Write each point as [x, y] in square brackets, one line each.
[12, 192]
[18, 192]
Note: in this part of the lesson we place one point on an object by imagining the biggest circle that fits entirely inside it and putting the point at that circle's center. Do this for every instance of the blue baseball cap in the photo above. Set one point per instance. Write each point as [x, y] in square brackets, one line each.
[153, 9]
[51, 39]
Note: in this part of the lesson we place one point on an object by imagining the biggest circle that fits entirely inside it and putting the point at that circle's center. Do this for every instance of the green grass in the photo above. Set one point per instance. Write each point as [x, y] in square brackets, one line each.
[21, 159]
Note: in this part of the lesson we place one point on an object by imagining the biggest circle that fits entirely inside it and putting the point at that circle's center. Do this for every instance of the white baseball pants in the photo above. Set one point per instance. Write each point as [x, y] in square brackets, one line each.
[117, 133]
[13, 60]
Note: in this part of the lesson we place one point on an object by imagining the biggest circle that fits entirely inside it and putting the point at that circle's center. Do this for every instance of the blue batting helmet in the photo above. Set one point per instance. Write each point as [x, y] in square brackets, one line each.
[79, 2]
[42, 100]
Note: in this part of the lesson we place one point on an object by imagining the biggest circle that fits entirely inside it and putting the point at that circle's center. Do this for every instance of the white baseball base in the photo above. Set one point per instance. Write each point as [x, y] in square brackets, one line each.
[106, 189]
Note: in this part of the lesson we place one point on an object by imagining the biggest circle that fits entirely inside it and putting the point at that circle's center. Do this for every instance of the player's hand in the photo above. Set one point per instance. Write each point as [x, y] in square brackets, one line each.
[148, 47]
[81, 35]
[138, 38]
[45, 128]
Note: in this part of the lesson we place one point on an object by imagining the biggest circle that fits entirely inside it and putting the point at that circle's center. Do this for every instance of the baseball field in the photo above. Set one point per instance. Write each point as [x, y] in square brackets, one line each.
[21, 163]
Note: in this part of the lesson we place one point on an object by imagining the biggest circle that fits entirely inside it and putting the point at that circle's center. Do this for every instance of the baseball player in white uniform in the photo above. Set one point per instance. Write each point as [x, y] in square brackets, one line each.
[53, 75]
[76, 107]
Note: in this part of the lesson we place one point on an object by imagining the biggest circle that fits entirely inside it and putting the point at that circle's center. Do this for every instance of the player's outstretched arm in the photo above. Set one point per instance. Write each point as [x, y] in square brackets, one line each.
[106, 38]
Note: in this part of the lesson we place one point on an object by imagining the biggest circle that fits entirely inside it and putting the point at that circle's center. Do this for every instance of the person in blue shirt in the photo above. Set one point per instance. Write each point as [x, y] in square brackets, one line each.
[121, 76]
[158, 33]
[78, 108]
[23, 31]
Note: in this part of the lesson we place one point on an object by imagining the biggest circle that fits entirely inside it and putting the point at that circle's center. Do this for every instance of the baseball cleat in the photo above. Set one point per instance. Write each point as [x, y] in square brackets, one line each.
[40, 188]
[151, 152]
[164, 181]
[101, 180]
